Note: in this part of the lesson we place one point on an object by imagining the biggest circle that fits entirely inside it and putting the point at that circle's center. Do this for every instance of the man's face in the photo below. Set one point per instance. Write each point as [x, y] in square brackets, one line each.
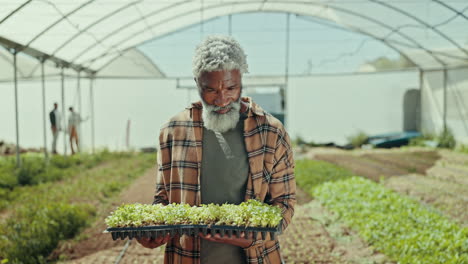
[220, 88]
[220, 92]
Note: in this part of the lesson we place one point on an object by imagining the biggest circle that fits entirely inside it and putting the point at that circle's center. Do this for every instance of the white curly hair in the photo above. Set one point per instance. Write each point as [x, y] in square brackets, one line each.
[219, 53]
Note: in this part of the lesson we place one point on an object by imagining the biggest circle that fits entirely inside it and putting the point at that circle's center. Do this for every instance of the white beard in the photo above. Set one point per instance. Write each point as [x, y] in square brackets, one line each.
[221, 122]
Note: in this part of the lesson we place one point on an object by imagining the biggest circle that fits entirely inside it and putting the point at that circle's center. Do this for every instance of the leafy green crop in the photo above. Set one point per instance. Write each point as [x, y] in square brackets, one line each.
[251, 213]
[35, 230]
[41, 215]
[400, 227]
[311, 173]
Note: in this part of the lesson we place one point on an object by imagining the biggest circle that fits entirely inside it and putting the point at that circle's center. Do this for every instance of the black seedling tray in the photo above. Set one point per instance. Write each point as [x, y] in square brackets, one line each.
[192, 230]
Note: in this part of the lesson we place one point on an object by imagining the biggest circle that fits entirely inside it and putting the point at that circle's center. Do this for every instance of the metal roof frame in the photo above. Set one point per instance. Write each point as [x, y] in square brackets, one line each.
[380, 23]
[16, 48]
[120, 48]
[373, 20]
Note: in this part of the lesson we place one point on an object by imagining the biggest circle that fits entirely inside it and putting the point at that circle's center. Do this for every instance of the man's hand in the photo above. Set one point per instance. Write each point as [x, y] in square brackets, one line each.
[153, 243]
[240, 242]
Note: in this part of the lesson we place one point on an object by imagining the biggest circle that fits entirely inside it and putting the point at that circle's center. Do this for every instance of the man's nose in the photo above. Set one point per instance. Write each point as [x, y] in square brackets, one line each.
[222, 99]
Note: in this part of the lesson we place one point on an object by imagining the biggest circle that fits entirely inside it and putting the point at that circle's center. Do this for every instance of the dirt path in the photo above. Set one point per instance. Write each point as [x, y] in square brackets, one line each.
[391, 163]
[445, 186]
[96, 247]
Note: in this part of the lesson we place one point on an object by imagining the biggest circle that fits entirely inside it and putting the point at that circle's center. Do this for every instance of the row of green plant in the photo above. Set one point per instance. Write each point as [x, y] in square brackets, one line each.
[251, 213]
[398, 226]
[35, 169]
[463, 149]
[311, 173]
[44, 214]
[35, 230]
[445, 139]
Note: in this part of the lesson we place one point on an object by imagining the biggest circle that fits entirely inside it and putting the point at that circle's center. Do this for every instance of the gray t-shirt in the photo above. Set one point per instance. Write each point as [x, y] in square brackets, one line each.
[223, 180]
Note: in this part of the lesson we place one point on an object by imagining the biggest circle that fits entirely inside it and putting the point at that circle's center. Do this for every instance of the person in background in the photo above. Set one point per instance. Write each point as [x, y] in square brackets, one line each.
[55, 125]
[74, 120]
[223, 149]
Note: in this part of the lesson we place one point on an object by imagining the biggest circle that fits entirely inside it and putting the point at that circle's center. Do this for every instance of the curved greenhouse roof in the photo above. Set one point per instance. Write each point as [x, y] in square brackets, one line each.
[90, 35]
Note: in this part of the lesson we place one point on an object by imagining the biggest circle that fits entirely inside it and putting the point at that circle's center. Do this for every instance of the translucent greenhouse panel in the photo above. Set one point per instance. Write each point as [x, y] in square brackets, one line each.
[57, 35]
[131, 64]
[434, 23]
[337, 107]
[34, 18]
[313, 10]
[426, 60]
[454, 26]
[77, 46]
[92, 21]
[26, 66]
[433, 41]
[99, 31]
[456, 30]
[101, 28]
[431, 107]
[457, 107]
[162, 27]
[6, 66]
[113, 45]
[167, 22]
[257, 81]
[367, 24]
[371, 16]
[451, 57]
[457, 102]
[7, 9]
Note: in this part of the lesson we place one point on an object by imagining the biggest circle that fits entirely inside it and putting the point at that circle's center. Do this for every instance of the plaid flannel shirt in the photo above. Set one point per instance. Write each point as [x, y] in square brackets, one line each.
[271, 175]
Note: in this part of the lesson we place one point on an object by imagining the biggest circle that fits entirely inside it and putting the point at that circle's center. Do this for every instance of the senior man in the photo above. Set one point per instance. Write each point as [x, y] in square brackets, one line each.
[223, 149]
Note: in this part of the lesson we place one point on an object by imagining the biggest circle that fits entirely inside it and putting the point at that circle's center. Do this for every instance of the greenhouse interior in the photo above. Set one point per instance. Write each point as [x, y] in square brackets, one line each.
[369, 99]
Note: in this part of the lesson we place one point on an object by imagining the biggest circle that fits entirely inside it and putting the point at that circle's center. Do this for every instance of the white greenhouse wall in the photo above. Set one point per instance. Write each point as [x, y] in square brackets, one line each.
[332, 108]
[320, 108]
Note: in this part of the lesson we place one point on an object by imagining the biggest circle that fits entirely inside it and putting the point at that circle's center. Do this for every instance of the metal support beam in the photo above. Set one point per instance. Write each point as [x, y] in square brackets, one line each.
[9, 44]
[421, 90]
[230, 25]
[422, 22]
[14, 11]
[15, 73]
[445, 79]
[78, 90]
[91, 98]
[202, 29]
[457, 12]
[44, 116]
[286, 70]
[64, 119]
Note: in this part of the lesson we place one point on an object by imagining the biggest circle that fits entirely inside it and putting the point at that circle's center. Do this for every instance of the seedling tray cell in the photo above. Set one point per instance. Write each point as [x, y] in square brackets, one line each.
[193, 230]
